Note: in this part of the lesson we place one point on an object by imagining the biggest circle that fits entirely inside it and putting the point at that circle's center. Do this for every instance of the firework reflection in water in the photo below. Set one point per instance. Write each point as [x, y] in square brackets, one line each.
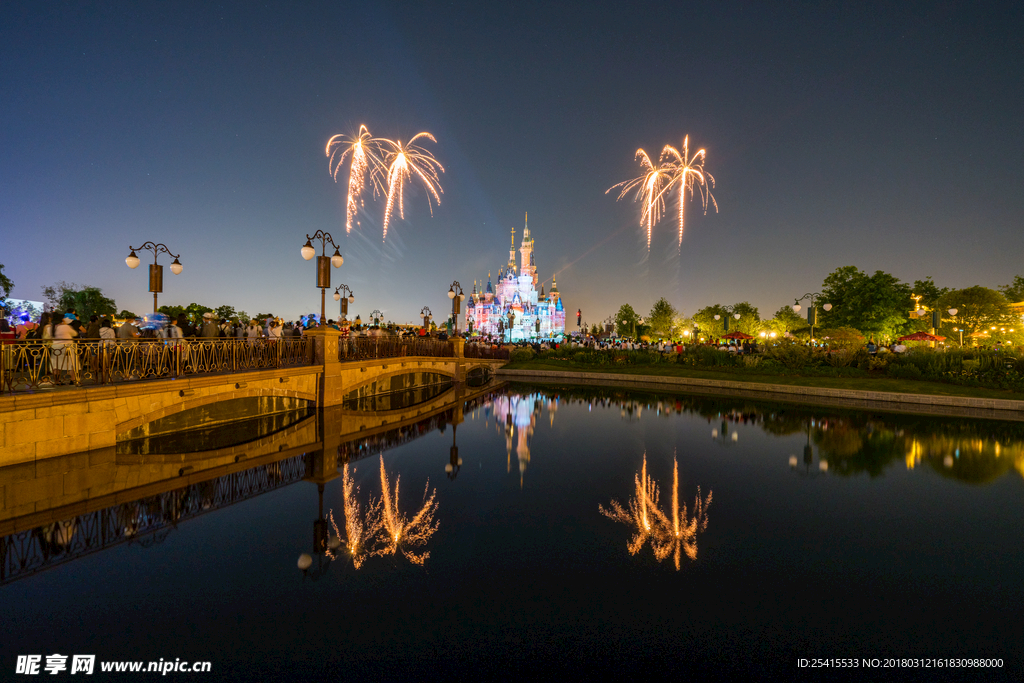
[673, 533]
[360, 529]
[400, 533]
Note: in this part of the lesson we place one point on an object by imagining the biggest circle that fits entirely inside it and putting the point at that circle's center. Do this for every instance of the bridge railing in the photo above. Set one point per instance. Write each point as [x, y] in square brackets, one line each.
[473, 350]
[29, 365]
[371, 348]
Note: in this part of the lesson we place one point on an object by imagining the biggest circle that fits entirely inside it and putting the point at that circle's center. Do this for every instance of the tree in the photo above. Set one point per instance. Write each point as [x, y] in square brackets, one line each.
[595, 330]
[978, 309]
[626, 321]
[661, 318]
[243, 317]
[877, 305]
[705, 319]
[126, 315]
[84, 300]
[750, 319]
[1013, 292]
[225, 312]
[171, 311]
[929, 292]
[6, 285]
[786, 320]
[195, 311]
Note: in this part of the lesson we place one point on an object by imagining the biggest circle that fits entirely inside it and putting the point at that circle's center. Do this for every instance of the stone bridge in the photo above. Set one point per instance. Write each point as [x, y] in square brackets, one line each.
[44, 424]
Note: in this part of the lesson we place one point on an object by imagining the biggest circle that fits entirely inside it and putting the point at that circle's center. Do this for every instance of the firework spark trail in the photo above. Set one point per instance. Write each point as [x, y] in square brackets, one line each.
[360, 530]
[667, 537]
[401, 534]
[649, 190]
[687, 171]
[405, 162]
[364, 151]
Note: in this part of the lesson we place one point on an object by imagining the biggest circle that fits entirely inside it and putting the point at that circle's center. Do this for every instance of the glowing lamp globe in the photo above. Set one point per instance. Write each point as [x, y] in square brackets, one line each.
[953, 311]
[132, 260]
[796, 308]
[718, 317]
[337, 297]
[308, 251]
[448, 468]
[827, 307]
[351, 299]
[736, 315]
[451, 293]
[176, 267]
[305, 561]
[337, 259]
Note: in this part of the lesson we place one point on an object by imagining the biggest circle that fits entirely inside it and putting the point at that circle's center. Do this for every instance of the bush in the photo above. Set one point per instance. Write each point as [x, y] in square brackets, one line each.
[520, 355]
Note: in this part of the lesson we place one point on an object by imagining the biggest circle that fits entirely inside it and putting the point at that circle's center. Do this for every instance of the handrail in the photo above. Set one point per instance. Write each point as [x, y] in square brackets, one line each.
[27, 365]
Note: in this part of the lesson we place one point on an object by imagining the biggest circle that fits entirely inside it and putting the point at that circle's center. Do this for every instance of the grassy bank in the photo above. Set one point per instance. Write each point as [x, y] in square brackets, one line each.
[882, 383]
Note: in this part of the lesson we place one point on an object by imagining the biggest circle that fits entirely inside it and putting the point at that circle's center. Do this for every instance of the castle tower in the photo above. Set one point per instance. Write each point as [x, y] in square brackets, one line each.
[526, 253]
[512, 253]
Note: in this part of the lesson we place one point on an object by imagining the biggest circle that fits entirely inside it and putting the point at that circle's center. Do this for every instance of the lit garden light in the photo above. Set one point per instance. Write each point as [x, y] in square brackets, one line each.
[345, 300]
[456, 294]
[812, 311]
[156, 271]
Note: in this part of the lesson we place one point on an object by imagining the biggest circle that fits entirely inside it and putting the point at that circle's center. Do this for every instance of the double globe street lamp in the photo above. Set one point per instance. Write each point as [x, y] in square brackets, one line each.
[456, 295]
[345, 300]
[812, 311]
[323, 265]
[156, 272]
[426, 315]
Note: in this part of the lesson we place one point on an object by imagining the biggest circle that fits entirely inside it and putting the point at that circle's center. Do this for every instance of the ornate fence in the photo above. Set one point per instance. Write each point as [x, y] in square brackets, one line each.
[486, 351]
[145, 521]
[28, 365]
[369, 348]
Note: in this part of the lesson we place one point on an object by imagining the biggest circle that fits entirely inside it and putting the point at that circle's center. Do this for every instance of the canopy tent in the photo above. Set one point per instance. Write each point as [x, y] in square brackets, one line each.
[736, 335]
[921, 336]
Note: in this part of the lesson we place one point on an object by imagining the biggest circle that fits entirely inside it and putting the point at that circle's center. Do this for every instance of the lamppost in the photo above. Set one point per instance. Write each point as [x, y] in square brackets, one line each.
[952, 312]
[156, 272]
[454, 461]
[345, 300]
[426, 318]
[812, 312]
[323, 265]
[456, 295]
[376, 317]
[511, 323]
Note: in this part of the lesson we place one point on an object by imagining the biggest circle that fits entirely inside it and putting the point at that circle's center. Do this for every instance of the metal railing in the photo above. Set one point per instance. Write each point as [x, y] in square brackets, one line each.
[29, 365]
[485, 351]
[144, 521]
[370, 348]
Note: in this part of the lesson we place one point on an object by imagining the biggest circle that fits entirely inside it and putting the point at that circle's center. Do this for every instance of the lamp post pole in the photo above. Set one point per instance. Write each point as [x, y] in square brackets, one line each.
[426, 314]
[156, 272]
[323, 265]
[339, 293]
[456, 295]
[812, 311]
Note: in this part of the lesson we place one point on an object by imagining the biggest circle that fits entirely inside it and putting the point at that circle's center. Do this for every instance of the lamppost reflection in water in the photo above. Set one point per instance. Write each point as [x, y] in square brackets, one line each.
[672, 533]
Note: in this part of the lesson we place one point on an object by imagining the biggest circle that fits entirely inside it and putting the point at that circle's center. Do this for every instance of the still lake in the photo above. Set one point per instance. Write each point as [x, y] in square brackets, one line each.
[588, 532]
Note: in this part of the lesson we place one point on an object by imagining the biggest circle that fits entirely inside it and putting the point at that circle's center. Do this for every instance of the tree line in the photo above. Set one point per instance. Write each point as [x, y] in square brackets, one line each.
[880, 306]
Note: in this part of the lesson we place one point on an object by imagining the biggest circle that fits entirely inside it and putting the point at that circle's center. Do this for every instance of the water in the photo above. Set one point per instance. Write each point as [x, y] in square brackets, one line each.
[829, 533]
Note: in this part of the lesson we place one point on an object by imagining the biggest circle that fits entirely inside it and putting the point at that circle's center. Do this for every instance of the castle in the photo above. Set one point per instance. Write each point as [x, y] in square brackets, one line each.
[533, 315]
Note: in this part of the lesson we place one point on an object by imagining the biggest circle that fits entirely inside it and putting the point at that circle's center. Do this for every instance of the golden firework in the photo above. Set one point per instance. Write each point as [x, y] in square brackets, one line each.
[360, 529]
[400, 533]
[686, 172]
[404, 162]
[649, 191]
[364, 153]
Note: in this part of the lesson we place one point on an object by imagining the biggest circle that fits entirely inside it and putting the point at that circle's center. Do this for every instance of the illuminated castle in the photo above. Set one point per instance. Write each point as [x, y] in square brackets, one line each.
[533, 315]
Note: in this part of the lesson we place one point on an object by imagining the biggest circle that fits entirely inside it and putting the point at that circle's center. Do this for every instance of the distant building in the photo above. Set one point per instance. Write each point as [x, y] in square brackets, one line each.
[534, 315]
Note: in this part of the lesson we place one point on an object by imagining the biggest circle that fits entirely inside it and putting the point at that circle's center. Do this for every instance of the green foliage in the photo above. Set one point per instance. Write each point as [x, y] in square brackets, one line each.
[595, 330]
[875, 304]
[6, 285]
[195, 311]
[749, 322]
[842, 345]
[171, 311]
[626, 321]
[226, 312]
[125, 314]
[705, 320]
[522, 354]
[84, 300]
[786, 320]
[1014, 292]
[790, 354]
[660, 320]
[243, 317]
[978, 308]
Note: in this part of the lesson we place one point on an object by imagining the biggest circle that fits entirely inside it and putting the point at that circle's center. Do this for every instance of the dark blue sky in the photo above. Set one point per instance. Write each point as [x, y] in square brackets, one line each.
[886, 136]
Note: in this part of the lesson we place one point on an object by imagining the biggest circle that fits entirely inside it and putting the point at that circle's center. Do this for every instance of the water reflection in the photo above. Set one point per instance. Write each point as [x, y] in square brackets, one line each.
[401, 533]
[360, 527]
[846, 442]
[668, 537]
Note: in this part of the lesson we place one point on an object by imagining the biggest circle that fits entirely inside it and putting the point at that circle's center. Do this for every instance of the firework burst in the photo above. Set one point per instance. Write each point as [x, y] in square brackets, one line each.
[364, 155]
[686, 173]
[399, 532]
[360, 528]
[672, 534]
[649, 191]
[405, 162]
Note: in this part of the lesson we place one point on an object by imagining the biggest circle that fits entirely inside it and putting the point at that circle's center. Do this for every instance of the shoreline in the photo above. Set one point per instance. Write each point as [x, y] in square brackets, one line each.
[952, 406]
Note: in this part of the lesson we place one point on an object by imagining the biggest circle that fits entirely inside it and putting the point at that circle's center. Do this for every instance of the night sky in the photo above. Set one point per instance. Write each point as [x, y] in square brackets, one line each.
[886, 136]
